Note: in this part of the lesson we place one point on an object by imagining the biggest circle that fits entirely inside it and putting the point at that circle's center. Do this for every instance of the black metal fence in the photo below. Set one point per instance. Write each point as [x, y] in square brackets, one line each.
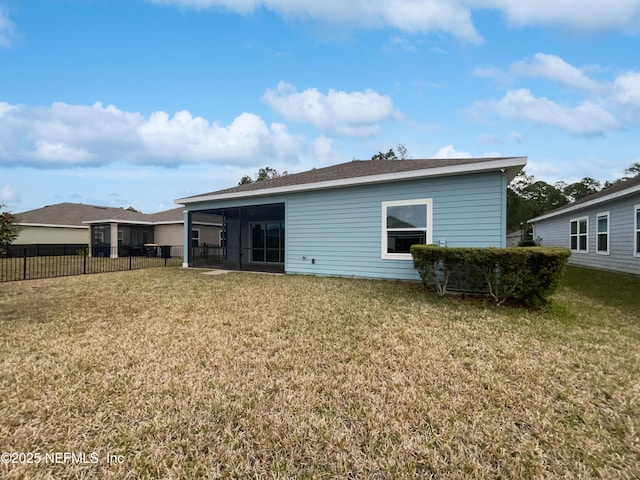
[44, 249]
[30, 263]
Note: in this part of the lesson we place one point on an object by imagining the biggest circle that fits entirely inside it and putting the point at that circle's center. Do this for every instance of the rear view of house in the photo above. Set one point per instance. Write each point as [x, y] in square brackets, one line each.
[357, 218]
[602, 230]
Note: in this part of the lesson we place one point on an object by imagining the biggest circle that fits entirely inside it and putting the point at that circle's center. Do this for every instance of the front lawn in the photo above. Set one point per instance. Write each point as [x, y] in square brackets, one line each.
[168, 373]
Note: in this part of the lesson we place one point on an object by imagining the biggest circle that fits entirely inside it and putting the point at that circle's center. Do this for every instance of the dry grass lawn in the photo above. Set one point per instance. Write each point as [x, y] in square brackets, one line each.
[174, 374]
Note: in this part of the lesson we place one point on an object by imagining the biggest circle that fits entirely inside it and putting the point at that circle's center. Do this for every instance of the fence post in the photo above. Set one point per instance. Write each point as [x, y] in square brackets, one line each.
[129, 260]
[84, 261]
[24, 263]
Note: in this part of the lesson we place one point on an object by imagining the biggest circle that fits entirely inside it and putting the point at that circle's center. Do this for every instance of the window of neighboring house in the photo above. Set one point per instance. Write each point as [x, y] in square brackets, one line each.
[195, 238]
[405, 223]
[220, 237]
[637, 222]
[580, 235]
[120, 237]
[602, 239]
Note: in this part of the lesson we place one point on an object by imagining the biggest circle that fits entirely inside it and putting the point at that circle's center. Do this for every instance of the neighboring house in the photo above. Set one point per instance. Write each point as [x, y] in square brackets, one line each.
[103, 228]
[602, 230]
[358, 218]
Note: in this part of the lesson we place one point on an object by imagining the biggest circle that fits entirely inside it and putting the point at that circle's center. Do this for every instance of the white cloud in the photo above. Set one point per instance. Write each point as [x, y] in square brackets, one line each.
[8, 195]
[621, 96]
[555, 68]
[577, 15]
[451, 17]
[238, 6]
[493, 73]
[400, 44]
[347, 114]
[492, 140]
[627, 89]
[322, 150]
[517, 137]
[7, 30]
[626, 96]
[70, 135]
[450, 152]
[588, 118]
[415, 17]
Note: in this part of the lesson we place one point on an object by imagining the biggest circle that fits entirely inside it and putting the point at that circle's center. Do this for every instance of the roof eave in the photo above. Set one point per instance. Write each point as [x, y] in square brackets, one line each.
[511, 166]
[112, 220]
[588, 203]
[49, 225]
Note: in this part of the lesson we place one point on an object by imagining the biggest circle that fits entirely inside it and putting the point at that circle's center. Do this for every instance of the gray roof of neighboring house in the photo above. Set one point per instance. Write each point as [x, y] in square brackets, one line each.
[355, 170]
[606, 194]
[173, 215]
[77, 214]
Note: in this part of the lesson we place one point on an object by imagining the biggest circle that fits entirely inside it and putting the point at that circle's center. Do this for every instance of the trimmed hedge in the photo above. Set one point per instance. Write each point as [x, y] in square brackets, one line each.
[526, 275]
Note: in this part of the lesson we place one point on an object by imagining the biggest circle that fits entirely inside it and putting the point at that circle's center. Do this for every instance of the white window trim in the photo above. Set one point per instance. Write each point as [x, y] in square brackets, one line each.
[598, 216]
[579, 219]
[383, 226]
[636, 229]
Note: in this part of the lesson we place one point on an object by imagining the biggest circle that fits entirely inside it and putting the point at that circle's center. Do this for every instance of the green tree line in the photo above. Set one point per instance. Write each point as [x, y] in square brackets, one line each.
[528, 198]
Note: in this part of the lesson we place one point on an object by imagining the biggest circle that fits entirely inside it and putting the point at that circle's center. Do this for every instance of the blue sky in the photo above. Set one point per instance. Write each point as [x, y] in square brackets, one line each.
[140, 102]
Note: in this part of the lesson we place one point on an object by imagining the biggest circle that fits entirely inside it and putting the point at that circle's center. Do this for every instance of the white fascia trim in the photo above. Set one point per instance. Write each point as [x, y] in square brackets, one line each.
[207, 224]
[499, 164]
[128, 222]
[168, 222]
[181, 222]
[50, 225]
[590, 203]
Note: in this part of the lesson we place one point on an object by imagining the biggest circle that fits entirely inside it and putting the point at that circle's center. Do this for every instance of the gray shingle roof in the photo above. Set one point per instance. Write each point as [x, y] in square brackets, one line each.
[74, 214]
[615, 188]
[353, 169]
[173, 215]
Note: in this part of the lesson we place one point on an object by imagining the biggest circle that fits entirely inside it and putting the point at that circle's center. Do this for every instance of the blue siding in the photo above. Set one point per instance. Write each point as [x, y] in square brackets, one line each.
[341, 229]
[555, 231]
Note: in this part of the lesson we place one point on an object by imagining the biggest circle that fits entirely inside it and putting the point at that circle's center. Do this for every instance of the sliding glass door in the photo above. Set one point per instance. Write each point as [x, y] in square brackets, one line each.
[267, 242]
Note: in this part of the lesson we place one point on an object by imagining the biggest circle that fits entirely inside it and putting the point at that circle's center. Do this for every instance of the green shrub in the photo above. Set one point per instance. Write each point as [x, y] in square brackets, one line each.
[527, 243]
[526, 275]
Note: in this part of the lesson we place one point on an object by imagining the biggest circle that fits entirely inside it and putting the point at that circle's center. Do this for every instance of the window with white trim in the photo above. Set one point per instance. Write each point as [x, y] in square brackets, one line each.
[580, 235]
[636, 250]
[602, 234]
[405, 223]
[195, 237]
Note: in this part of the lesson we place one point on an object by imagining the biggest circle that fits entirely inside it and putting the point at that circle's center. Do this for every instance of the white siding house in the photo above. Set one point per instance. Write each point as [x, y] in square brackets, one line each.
[602, 230]
[358, 218]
